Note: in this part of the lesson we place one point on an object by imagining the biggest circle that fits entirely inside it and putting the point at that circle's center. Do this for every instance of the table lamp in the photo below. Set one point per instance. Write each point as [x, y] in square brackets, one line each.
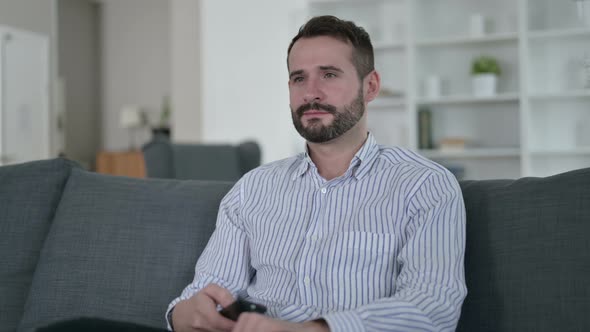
[131, 118]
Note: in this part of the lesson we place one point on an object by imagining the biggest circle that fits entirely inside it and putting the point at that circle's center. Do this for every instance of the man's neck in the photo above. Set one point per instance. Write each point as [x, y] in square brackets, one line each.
[333, 158]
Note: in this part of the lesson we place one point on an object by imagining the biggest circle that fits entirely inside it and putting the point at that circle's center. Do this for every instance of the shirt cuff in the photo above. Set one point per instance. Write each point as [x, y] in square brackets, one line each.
[169, 319]
[168, 315]
[345, 321]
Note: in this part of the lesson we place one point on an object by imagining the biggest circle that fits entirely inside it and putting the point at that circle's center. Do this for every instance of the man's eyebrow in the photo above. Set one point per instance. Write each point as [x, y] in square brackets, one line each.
[331, 68]
[323, 68]
[296, 72]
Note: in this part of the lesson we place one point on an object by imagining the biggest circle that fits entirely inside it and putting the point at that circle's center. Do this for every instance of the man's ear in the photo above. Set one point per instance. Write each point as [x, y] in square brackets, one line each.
[372, 84]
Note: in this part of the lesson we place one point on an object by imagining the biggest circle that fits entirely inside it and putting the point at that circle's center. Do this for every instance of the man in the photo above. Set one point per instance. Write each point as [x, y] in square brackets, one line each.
[349, 236]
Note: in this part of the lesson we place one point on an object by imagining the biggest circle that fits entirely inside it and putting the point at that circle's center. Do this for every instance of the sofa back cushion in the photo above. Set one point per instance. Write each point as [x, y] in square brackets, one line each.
[527, 258]
[218, 162]
[203, 161]
[121, 248]
[29, 195]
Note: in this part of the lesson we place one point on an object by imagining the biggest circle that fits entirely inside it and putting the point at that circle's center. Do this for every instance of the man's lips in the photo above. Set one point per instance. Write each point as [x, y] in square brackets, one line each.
[315, 109]
[315, 113]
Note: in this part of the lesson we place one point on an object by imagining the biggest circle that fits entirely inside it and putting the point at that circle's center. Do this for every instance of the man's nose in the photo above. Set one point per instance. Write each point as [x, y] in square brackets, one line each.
[313, 92]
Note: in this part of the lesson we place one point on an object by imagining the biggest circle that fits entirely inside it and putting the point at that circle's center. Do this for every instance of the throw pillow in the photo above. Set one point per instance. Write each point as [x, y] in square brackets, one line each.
[29, 195]
[121, 248]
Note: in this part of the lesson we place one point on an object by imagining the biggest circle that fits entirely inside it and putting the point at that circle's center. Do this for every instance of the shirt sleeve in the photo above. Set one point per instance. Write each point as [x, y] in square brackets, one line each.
[225, 261]
[430, 287]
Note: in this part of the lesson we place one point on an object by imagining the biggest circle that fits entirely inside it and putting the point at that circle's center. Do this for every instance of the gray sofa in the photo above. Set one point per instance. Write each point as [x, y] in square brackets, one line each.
[75, 243]
[224, 162]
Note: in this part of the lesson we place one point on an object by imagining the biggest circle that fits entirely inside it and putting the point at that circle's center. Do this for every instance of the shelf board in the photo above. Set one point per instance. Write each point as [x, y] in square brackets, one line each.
[583, 151]
[388, 102]
[339, 3]
[453, 41]
[552, 34]
[383, 47]
[472, 153]
[467, 99]
[561, 95]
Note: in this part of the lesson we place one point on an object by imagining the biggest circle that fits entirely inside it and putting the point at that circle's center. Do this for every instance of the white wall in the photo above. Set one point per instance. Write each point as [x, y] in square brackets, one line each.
[135, 62]
[185, 36]
[32, 15]
[244, 73]
[223, 61]
[78, 52]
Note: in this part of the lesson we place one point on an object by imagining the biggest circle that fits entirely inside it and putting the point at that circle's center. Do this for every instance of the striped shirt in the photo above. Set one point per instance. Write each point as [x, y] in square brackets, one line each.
[379, 248]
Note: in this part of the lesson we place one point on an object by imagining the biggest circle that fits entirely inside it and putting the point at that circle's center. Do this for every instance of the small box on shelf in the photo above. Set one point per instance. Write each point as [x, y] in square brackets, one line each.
[452, 144]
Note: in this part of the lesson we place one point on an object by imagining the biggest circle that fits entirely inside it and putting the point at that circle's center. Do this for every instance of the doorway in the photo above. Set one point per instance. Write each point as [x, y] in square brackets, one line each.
[24, 96]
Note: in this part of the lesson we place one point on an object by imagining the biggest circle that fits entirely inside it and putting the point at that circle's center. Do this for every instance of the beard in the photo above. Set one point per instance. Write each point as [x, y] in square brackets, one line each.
[344, 120]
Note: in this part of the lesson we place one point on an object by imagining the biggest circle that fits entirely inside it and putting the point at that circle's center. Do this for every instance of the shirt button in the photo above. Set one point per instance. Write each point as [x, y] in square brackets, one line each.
[324, 190]
[306, 281]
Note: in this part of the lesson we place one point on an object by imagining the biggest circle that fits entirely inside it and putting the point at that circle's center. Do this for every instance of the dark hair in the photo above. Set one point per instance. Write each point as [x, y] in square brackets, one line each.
[346, 31]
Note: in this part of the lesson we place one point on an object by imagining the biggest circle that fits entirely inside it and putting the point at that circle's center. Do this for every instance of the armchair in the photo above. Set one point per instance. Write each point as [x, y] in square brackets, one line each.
[224, 162]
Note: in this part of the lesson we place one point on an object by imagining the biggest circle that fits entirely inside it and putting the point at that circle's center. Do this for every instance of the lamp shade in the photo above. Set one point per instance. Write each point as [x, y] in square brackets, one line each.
[130, 117]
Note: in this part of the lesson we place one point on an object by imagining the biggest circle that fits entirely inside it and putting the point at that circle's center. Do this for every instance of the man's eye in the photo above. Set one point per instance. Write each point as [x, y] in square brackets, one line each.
[329, 75]
[297, 79]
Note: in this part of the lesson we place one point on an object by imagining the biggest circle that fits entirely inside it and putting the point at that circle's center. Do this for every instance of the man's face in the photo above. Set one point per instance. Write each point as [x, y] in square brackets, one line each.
[326, 95]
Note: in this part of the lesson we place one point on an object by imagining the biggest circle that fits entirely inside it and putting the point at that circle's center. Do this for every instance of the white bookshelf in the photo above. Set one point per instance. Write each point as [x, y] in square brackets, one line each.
[388, 103]
[383, 47]
[559, 33]
[468, 99]
[466, 40]
[562, 152]
[536, 125]
[561, 95]
[489, 153]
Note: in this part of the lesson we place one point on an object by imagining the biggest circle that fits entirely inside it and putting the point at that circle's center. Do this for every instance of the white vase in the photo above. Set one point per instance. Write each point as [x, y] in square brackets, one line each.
[477, 25]
[433, 87]
[484, 85]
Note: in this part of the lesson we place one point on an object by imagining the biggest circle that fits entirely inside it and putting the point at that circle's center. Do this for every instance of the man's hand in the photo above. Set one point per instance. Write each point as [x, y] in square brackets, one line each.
[199, 313]
[253, 322]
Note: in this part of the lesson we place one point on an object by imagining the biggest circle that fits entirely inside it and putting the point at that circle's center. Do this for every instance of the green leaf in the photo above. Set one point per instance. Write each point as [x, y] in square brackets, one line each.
[485, 64]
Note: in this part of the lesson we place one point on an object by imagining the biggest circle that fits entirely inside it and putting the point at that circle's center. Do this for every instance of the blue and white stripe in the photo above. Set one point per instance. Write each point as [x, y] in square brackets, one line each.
[378, 249]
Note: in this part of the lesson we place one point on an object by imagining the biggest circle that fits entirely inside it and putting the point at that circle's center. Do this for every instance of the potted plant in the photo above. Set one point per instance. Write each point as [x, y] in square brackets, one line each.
[485, 71]
[163, 125]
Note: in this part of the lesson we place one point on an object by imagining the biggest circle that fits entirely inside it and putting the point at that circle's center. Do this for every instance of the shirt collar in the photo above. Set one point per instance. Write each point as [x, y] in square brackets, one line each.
[361, 162]
[364, 158]
[305, 163]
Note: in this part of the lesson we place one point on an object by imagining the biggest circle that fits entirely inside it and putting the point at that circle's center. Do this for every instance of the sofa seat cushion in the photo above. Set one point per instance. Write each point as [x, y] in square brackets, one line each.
[121, 248]
[29, 195]
[527, 256]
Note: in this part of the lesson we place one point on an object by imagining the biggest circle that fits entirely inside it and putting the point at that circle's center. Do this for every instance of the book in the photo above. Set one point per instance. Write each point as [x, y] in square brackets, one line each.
[425, 129]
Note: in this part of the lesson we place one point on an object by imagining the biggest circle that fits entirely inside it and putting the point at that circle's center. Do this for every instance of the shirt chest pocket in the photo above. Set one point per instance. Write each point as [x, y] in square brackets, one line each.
[360, 268]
